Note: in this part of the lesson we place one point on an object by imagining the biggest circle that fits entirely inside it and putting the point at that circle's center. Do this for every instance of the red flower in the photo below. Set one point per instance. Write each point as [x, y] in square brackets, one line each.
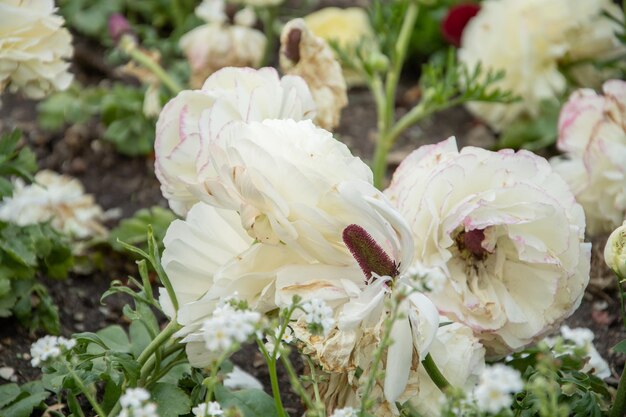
[455, 21]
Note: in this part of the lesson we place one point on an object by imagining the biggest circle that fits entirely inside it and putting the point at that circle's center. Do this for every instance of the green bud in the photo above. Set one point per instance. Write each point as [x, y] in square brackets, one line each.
[615, 251]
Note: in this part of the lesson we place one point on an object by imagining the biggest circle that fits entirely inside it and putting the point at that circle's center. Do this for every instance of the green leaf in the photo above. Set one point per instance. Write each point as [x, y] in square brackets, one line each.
[24, 407]
[134, 230]
[533, 133]
[620, 347]
[171, 400]
[8, 393]
[252, 402]
[115, 338]
[139, 336]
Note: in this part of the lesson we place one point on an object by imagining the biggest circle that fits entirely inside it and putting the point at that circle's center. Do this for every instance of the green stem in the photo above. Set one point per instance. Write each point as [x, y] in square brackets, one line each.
[378, 354]
[143, 59]
[619, 406]
[296, 384]
[86, 393]
[398, 58]
[435, 374]
[268, 16]
[162, 337]
[385, 102]
[148, 367]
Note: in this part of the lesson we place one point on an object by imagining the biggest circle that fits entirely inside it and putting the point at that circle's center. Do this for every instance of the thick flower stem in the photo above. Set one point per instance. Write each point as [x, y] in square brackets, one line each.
[86, 393]
[619, 406]
[435, 374]
[385, 97]
[161, 338]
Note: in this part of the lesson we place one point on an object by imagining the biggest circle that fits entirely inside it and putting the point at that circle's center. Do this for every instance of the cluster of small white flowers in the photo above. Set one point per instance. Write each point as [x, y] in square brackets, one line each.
[318, 313]
[583, 338]
[344, 412]
[287, 337]
[207, 410]
[135, 403]
[49, 347]
[228, 326]
[496, 385]
[433, 279]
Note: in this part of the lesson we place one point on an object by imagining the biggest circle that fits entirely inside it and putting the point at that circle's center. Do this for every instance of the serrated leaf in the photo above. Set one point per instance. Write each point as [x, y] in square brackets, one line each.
[171, 400]
[252, 402]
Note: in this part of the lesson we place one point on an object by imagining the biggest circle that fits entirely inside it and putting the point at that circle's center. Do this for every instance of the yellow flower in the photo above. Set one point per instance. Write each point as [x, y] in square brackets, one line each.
[348, 27]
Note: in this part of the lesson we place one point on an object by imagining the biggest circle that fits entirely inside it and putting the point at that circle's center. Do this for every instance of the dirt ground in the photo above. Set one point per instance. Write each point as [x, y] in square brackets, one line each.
[130, 184]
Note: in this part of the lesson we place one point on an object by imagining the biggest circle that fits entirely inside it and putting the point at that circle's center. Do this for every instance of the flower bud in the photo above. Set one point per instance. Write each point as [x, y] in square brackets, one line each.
[615, 251]
[118, 26]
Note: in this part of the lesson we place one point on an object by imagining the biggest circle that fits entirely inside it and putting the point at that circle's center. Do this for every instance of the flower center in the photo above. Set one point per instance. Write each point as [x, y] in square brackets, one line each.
[470, 242]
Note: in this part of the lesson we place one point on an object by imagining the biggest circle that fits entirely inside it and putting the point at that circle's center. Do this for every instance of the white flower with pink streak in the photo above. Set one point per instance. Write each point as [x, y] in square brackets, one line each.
[191, 120]
[505, 229]
[592, 133]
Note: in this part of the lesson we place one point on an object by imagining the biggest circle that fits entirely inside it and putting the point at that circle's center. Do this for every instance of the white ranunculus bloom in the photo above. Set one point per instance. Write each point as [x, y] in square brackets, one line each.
[294, 184]
[188, 121]
[213, 46]
[592, 133]
[34, 47]
[529, 40]
[308, 56]
[506, 230]
[59, 199]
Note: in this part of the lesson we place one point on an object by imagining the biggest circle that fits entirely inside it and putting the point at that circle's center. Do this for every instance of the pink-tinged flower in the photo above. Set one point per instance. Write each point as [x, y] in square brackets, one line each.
[118, 26]
[190, 121]
[592, 133]
[455, 21]
[505, 229]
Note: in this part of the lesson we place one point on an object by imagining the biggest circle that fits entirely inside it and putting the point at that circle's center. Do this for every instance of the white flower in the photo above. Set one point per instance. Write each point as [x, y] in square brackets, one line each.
[213, 46]
[43, 349]
[134, 398]
[239, 379]
[615, 251]
[146, 410]
[583, 338]
[496, 385]
[59, 199]
[529, 40]
[68, 344]
[461, 359]
[507, 232]
[345, 412]
[304, 54]
[318, 313]
[34, 47]
[212, 11]
[209, 409]
[186, 123]
[592, 133]
[228, 326]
